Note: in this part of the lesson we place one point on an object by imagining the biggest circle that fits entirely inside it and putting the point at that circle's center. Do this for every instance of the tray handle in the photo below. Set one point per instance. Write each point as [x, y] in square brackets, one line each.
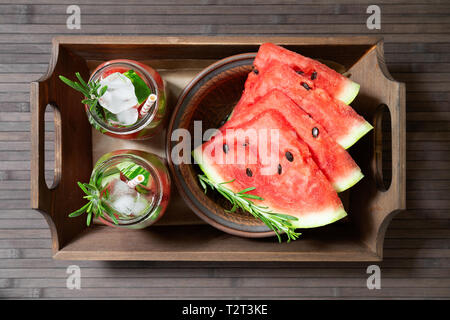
[395, 190]
[40, 99]
[378, 147]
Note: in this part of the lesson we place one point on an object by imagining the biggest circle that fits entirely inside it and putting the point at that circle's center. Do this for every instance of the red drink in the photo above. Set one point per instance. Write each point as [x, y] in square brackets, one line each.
[137, 121]
[133, 188]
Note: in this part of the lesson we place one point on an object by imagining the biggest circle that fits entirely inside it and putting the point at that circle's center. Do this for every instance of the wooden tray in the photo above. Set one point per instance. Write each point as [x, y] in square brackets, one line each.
[180, 235]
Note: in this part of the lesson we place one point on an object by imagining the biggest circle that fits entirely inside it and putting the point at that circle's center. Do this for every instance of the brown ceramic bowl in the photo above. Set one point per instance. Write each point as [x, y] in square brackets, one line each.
[210, 98]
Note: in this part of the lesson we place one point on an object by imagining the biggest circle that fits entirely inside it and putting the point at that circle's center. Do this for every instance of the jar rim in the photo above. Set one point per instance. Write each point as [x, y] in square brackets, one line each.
[140, 124]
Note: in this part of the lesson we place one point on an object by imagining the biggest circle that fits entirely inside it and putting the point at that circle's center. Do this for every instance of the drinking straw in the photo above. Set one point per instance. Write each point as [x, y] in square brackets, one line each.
[148, 104]
[134, 182]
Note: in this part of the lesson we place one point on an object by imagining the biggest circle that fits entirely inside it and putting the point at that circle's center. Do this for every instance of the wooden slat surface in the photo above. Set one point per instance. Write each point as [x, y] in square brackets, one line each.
[417, 252]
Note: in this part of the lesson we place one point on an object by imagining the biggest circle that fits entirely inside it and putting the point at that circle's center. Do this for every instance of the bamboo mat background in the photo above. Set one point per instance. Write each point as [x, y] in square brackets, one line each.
[416, 265]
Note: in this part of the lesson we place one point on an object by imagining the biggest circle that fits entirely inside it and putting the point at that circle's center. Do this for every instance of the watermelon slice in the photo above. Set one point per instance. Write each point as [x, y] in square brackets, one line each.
[339, 119]
[338, 86]
[293, 185]
[337, 165]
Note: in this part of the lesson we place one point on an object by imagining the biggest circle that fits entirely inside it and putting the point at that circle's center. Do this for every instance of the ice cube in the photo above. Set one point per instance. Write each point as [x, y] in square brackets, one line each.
[120, 188]
[120, 95]
[128, 117]
[124, 204]
[140, 205]
[126, 200]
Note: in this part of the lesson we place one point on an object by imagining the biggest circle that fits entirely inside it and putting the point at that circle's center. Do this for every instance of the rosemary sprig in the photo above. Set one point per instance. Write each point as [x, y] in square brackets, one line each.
[94, 205]
[242, 199]
[89, 90]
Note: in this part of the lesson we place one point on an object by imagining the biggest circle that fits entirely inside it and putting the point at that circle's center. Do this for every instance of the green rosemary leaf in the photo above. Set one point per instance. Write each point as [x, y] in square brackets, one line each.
[279, 223]
[203, 185]
[95, 86]
[110, 212]
[103, 90]
[227, 181]
[92, 190]
[110, 116]
[82, 187]
[98, 210]
[79, 212]
[235, 206]
[223, 193]
[89, 208]
[68, 82]
[89, 90]
[112, 217]
[80, 88]
[91, 186]
[94, 104]
[251, 196]
[89, 218]
[83, 83]
[285, 216]
[247, 190]
[96, 109]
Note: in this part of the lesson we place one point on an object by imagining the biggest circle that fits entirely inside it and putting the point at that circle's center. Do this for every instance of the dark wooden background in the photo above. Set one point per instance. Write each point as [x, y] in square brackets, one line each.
[416, 265]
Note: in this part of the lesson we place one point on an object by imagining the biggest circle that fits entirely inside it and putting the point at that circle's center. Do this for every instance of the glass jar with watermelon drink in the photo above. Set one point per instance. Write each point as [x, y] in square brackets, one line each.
[123, 99]
[128, 189]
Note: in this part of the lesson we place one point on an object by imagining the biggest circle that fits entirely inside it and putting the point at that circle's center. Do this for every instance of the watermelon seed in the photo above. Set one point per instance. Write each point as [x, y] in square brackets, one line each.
[255, 71]
[315, 132]
[299, 72]
[279, 168]
[314, 75]
[249, 172]
[245, 144]
[225, 148]
[289, 156]
[305, 85]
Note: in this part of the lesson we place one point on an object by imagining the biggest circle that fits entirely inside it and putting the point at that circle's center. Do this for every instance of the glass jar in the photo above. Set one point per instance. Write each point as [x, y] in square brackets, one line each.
[133, 187]
[147, 124]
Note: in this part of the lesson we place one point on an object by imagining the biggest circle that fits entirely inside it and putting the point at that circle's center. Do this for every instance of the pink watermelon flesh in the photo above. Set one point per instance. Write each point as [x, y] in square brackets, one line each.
[337, 165]
[339, 119]
[293, 186]
[338, 86]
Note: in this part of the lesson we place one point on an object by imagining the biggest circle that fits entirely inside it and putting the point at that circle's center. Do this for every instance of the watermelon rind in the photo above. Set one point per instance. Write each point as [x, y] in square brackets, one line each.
[349, 92]
[207, 170]
[319, 219]
[355, 134]
[348, 182]
[310, 220]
